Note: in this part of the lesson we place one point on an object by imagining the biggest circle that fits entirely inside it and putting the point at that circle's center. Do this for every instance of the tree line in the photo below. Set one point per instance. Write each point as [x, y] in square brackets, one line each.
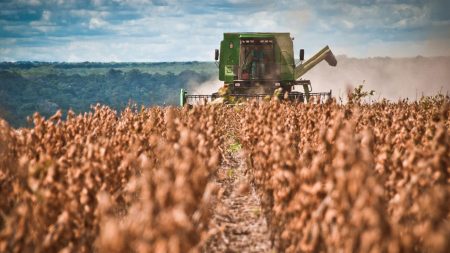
[22, 94]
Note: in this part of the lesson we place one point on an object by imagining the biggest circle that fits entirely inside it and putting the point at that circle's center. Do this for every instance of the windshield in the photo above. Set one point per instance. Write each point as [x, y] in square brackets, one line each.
[256, 60]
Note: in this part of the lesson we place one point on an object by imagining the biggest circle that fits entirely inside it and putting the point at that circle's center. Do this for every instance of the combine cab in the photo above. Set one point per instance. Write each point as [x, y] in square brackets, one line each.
[261, 65]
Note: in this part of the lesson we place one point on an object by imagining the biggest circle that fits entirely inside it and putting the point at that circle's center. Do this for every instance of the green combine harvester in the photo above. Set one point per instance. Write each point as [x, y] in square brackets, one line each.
[261, 65]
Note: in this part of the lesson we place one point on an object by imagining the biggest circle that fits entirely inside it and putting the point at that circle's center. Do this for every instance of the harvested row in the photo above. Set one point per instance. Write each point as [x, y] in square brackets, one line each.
[138, 181]
[354, 178]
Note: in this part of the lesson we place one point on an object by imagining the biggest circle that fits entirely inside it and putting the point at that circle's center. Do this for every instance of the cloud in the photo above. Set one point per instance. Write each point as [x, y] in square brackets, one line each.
[184, 30]
[30, 2]
[97, 22]
[44, 24]
[46, 16]
[97, 2]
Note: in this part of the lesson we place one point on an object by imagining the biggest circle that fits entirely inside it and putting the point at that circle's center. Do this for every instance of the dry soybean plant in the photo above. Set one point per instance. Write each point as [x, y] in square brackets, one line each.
[103, 181]
[331, 178]
[353, 178]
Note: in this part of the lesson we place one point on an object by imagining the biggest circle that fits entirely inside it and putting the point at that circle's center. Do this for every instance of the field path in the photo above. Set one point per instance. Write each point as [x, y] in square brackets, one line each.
[238, 215]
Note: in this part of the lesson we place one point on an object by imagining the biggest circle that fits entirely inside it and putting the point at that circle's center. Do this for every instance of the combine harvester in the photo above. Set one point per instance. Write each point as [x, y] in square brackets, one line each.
[262, 65]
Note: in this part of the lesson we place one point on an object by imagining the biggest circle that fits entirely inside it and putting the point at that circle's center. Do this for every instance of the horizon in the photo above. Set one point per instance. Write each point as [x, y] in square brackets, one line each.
[206, 61]
[175, 31]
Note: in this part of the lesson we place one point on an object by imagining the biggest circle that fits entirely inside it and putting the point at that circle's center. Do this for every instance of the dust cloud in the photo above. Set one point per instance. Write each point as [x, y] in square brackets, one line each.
[391, 78]
[205, 88]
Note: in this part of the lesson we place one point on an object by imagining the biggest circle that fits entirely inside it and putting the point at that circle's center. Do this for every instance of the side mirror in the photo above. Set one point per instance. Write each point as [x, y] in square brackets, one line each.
[216, 56]
[302, 54]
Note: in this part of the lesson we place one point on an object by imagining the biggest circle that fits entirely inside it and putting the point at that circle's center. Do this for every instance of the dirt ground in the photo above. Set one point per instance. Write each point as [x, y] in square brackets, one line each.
[238, 218]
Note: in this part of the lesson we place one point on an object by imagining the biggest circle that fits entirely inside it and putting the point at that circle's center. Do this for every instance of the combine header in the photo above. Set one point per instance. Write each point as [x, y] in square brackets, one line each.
[261, 65]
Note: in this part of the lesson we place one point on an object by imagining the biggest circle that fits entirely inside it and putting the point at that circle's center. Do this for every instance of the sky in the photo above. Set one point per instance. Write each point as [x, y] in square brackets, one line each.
[173, 30]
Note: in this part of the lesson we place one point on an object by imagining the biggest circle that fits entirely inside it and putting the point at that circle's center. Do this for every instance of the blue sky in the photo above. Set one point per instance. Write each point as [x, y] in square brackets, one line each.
[172, 30]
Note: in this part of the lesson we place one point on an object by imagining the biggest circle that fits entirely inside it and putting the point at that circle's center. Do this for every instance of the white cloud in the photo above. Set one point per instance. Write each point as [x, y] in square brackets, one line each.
[83, 13]
[29, 2]
[46, 15]
[348, 24]
[97, 2]
[8, 41]
[145, 30]
[97, 22]
[44, 24]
